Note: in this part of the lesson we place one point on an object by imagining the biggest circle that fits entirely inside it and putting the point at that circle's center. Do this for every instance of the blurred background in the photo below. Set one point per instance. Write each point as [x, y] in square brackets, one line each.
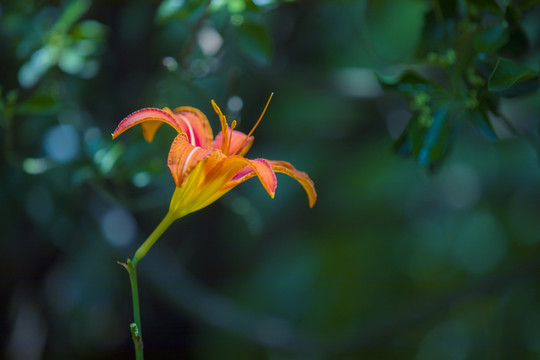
[417, 120]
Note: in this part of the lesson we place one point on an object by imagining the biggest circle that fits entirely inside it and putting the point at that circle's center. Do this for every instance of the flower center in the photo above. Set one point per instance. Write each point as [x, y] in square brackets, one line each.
[226, 135]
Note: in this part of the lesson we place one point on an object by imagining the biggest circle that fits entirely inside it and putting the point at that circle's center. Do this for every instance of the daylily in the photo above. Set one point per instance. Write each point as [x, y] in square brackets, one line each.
[204, 168]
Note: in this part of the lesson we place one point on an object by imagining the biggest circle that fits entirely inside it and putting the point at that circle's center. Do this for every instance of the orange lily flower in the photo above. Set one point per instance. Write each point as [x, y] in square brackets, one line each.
[205, 168]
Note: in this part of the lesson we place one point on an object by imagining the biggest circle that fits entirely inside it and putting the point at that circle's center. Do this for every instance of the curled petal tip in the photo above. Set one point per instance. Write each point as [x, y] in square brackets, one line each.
[149, 118]
[300, 176]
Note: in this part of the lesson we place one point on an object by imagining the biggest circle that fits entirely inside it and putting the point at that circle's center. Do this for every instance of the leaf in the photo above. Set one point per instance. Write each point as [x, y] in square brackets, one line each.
[71, 14]
[488, 41]
[39, 104]
[403, 145]
[518, 42]
[465, 50]
[488, 5]
[510, 79]
[428, 144]
[255, 41]
[89, 29]
[408, 83]
[480, 119]
[176, 9]
[435, 141]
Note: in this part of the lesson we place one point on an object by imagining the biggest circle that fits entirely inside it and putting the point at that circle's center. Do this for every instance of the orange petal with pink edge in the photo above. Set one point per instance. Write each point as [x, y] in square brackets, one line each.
[152, 118]
[300, 176]
[195, 124]
[239, 144]
[183, 157]
[285, 168]
[257, 167]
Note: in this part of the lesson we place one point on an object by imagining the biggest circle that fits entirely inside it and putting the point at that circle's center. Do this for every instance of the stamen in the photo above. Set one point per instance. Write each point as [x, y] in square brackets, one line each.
[225, 139]
[222, 118]
[233, 125]
[256, 124]
[224, 127]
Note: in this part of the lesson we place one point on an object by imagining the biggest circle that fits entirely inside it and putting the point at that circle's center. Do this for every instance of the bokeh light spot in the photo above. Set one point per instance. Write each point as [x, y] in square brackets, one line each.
[170, 63]
[71, 62]
[30, 73]
[242, 206]
[357, 82]
[210, 41]
[235, 103]
[236, 6]
[480, 246]
[35, 166]
[141, 179]
[118, 227]
[61, 143]
[237, 19]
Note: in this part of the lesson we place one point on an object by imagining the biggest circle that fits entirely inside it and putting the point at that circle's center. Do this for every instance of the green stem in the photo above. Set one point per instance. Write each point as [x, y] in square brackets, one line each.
[143, 249]
[136, 330]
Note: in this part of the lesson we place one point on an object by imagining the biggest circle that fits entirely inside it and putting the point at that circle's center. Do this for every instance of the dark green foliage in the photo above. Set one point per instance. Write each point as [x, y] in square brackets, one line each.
[462, 46]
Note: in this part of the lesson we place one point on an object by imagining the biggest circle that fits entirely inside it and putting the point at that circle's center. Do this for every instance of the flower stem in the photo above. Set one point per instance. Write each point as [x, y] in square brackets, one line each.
[136, 330]
[143, 249]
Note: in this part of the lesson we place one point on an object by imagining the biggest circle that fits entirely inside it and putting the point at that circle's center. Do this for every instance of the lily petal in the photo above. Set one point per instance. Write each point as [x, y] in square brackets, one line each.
[198, 190]
[285, 168]
[239, 144]
[152, 119]
[210, 180]
[183, 157]
[195, 124]
[300, 176]
[256, 167]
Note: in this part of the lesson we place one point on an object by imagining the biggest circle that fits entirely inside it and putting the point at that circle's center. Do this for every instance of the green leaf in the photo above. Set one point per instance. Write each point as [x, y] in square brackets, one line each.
[518, 42]
[510, 79]
[434, 144]
[89, 29]
[480, 119]
[409, 83]
[403, 145]
[488, 5]
[428, 144]
[465, 50]
[71, 14]
[38, 104]
[488, 41]
[176, 9]
[255, 41]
